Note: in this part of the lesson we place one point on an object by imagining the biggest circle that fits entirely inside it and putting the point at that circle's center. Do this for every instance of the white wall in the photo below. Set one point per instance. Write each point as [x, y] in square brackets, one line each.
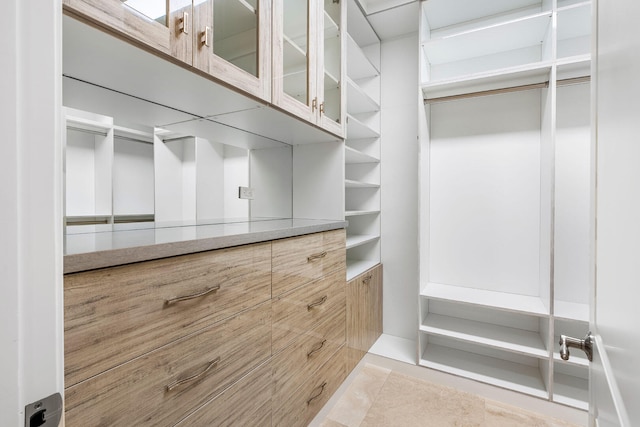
[31, 359]
[133, 177]
[399, 191]
[236, 174]
[271, 180]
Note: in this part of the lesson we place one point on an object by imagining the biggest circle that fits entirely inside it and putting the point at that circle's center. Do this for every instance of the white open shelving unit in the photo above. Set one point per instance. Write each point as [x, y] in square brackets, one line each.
[362, 148]
[506, 192]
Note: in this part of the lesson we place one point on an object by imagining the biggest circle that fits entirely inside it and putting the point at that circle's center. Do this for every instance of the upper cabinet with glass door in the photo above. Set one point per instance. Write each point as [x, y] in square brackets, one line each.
[232, 42]
[307, 60]
[164, 25]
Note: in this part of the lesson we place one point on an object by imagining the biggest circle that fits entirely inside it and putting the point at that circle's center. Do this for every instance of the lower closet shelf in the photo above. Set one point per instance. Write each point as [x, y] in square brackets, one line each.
[571, 391]
[502, 337]
[490, 370]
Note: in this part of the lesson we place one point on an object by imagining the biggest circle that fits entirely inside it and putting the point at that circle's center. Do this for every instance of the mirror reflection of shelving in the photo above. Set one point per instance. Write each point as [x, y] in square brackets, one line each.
[134, 174]
[362, 148]
[235, 33]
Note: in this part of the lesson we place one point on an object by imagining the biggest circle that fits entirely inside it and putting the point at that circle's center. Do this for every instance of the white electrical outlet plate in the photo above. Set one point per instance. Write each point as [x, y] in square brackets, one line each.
[245, 193]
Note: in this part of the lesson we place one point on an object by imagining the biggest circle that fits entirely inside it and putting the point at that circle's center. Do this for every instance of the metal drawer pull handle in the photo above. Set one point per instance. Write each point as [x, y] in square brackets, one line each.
[367, 279]
[185, 23]
[317, 303]
[312, 398]
[207, 36]
[316, 256]
[317, 349]
[192, 296]
[178, 383]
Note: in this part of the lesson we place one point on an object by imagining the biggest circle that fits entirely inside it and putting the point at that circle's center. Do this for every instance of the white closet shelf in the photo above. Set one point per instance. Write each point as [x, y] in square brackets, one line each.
[502, 37]
[350, 183]
[574, 66]
[330, 81]
[358, 130]
[500, 300]
[571, 311]
[491, 335]
[362, 212]
[562, 4]
[358, 65]
[358, 101]
[331, 28]
[353, 156]
[577, 357]
[357, 240]
[294, 56]
[80, 123]
[502, 373]
[534, 73]
[571, 391]
[355, 267]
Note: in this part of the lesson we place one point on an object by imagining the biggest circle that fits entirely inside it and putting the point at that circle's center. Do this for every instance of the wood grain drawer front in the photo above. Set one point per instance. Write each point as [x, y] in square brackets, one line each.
[162, 387]
[292, 366]
[303, 309]
[246, 403]
[312, 395]
[115, 314]
[299, 260]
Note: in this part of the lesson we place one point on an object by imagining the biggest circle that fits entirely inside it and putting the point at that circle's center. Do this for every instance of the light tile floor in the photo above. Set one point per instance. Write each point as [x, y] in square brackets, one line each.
[380, 397]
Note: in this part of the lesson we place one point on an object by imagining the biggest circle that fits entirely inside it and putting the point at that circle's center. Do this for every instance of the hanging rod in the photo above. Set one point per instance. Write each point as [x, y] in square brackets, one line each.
[128, 138]
[90, 131]
[488, 92]
[563, 82]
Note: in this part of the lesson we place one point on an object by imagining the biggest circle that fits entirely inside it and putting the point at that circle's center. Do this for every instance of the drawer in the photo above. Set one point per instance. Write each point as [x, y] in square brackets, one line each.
[292, 366]
[115, 314]
[162, 387]
[246, 403]
[308, 307]
[312, 395]
[299, 260]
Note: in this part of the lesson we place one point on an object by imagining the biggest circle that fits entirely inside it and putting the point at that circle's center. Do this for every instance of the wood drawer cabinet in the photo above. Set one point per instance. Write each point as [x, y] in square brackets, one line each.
[150, 25]
[364, 313]
[163, 386]
[300, 409]
[299, 260]
[246, 403]
[306, 308]
[129, 310]
[307, 354]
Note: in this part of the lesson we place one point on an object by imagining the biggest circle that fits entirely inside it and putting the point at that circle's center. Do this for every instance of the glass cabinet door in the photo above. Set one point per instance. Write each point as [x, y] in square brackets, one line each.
[232, 43]
[163, 25]
[295, 58]
[330, 83]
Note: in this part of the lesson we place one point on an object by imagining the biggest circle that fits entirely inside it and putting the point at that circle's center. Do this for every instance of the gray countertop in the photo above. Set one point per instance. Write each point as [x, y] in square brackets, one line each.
[91, 247]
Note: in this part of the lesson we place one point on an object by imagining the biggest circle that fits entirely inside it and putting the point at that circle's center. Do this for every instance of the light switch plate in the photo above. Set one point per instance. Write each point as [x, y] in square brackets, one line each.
[245, 193]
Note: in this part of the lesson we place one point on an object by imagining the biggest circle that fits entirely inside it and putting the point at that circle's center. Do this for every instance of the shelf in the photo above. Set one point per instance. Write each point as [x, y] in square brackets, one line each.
[571, 311]
[358, 130]
[330, 81]
[502, 337]
[358, 101]
[571, 391]
[578, 358]
[357, 240]
[502, 37]
[357, 267]
[358, 65]
[499, 300]
[353, 156]
[358, 213]
[491, 80]
[441, 14]
[349, 183]
[331, 29]
[502, 373]
[294, 56]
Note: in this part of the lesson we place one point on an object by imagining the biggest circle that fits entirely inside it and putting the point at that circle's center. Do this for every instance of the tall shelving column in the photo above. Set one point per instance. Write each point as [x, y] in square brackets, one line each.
[362, 148]
[506, 179]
